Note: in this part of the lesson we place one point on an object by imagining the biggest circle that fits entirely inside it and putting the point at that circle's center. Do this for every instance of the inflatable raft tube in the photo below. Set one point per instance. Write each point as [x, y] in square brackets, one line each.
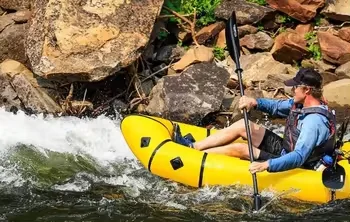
[150, 139]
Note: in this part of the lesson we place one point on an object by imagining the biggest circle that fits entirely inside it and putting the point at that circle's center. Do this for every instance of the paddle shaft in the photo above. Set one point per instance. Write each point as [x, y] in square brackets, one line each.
[236, 48]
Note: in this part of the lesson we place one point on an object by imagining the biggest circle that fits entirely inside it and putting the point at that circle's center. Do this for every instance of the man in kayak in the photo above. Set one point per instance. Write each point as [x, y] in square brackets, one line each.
[309, 133]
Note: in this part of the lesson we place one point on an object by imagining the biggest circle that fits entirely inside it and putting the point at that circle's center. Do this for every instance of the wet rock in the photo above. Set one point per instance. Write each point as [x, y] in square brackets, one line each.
[257, 67]
[289, 47]
[169, 52]
[88, 42]
[19, 88]
[343, 70]
[337, 10]
[303, 11]
[12, 39]
[190, 96]
[333, 48]
[246, 12]
[16, 4]
[260, 41]
[344, 33]
[337, 93]
[209, 32]
[194, 55]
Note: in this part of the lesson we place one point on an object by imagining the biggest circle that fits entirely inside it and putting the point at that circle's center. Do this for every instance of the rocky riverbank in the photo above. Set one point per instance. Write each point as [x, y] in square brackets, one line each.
[87, 58]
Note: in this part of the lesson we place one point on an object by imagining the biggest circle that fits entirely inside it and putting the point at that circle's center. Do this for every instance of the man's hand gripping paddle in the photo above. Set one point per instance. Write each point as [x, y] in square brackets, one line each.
[232, 41]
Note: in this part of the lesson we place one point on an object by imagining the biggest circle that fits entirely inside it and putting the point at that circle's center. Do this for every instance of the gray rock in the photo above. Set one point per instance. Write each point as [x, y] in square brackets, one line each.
[21, 90]
[343, 70]
[246, 12]
[190, 96]
[169, 52]
[12, 42]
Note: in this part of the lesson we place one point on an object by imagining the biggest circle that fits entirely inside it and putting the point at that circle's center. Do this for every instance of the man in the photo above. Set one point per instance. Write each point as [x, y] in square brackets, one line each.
[309, 133]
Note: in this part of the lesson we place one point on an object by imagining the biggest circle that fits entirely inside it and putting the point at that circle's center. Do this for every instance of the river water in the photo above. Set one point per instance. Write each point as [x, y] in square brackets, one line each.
[71, 169]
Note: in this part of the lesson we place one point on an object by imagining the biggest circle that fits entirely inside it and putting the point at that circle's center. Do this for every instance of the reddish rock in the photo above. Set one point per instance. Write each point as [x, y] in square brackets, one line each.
[289, 47]
[344, 33]
[221, 40]
[301, 10]
[333, 48]
[242, 31]
[209, 32]
[302, 29]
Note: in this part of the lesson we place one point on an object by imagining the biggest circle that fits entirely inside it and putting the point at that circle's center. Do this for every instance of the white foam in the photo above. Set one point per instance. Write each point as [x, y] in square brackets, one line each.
[100, 138]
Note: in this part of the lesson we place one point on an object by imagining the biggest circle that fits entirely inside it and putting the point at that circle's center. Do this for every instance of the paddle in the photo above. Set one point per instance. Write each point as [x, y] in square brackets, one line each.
[232, 41]
[333, 177]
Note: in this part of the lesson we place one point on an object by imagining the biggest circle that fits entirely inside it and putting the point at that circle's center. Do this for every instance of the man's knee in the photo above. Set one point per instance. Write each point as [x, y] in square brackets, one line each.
[239, 125]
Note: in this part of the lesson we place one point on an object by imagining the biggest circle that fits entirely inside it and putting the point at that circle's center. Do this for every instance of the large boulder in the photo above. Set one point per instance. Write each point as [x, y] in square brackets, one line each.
[301, 10]
[258, 67]
[89, 40]
[289, 47]
[337, 93]
[333, 48]
[337, 10]
[246, 12]
[21, 90]
[191, 95]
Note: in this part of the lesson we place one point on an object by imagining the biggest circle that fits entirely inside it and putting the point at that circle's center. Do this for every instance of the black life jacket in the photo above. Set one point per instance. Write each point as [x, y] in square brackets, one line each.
[291, 133]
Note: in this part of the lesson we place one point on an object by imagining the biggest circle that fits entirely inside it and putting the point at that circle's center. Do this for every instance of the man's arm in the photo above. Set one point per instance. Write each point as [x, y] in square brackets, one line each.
[313, 133]
[275, 107]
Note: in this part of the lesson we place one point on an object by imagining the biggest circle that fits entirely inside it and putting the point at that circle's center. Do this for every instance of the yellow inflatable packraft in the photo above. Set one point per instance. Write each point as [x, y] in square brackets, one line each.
[149, 138]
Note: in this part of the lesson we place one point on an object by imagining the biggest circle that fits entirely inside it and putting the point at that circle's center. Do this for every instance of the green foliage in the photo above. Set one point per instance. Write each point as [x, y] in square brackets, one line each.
[219, 53]
[283, 19]
[259, 2]
[162, 34]
[281, 29]
[312, 45]
[260, 27]
[204, 9]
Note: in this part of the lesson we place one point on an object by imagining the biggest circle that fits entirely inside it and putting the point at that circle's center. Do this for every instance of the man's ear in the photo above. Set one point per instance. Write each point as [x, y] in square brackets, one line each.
[308, 90]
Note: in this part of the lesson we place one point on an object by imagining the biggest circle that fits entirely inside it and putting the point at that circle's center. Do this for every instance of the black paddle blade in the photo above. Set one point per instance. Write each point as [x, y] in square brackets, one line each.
[333, 178]
[232, 39]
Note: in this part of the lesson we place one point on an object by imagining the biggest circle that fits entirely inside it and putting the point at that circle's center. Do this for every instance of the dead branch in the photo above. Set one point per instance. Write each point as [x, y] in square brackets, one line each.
[192, 24]
[332, 26]
[155, 73]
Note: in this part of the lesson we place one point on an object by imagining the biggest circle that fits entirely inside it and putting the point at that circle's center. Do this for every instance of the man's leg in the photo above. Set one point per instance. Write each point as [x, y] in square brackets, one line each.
[230, 134]
[239, 150]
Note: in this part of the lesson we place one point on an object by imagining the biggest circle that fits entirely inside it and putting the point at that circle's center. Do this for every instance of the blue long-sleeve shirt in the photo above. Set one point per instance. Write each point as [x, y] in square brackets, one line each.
[314, 130]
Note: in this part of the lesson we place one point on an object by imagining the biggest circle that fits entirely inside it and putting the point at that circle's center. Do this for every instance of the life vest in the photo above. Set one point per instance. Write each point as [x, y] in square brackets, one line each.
[291, 133]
